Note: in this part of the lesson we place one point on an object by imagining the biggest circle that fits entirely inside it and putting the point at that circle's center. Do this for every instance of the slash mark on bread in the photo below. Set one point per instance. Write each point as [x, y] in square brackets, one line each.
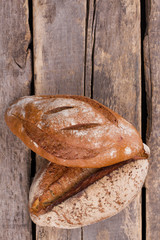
[82, 126]
[58, 109]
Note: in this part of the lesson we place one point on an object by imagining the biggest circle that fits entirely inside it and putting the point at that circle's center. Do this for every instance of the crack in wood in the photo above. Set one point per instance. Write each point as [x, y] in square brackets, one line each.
[143, 83]
[20, 58]
[94, 13]
[144, 110]
[147, 86]
[94, 24]
[30, 21]
[18, 64]
[81, 233]
[86, 37]
[32, 92]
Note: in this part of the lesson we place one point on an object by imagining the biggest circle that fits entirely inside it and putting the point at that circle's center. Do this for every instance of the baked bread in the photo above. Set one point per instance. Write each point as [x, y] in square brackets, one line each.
[102, 199]
[99, 162]
[74, 131]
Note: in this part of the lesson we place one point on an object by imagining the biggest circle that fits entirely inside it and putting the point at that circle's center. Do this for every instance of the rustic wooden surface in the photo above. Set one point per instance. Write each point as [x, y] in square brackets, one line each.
[59, 43]
[15, 77]
[83, 47]
[79, 49]
[152, 74]
[113, 65]
[113, 77]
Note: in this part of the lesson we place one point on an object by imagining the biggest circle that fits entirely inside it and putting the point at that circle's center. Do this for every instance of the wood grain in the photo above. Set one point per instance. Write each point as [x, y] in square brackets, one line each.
[59, 38]
[152, 76]
[92, 47]
[15, 78]
[59, 42]
[113, 77]
[113, 68]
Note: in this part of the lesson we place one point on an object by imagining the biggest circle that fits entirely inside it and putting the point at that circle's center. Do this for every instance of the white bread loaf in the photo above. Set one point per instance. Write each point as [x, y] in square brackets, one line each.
[99, 201]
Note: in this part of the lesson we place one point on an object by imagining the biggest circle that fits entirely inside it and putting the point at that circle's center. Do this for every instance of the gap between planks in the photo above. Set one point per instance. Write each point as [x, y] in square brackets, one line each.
[143, 111]
[32, 92]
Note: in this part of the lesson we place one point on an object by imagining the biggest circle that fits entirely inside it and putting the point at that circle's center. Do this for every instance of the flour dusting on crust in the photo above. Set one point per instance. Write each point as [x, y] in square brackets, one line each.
[99, 201]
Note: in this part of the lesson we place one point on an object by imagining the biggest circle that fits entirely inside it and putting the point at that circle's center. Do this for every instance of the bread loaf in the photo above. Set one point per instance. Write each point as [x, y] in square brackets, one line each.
[74, 131]
[98, 162]
[102, 199]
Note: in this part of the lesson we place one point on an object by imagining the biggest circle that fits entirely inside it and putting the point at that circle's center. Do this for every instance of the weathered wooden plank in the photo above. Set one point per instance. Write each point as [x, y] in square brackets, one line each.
[59, 43]
[59, 38]
[58, 234]
[113, 77]
[15, 78]
[152, 77]
[113, 56]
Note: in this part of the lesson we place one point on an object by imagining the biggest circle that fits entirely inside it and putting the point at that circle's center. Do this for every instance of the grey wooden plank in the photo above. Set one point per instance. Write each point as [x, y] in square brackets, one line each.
[59, 38]
[15, 78]
[59, 43]
[114, 58]
[113, 77]
[152, 76]
[58, 234]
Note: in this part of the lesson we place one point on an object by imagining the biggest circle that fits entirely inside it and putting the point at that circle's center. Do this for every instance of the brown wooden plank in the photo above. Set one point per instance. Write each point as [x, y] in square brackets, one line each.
[59, 42]
[15, 78]
[113, 77]
[152, 77]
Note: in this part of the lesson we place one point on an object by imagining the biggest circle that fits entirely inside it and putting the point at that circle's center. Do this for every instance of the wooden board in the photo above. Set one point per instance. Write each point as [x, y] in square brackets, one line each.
[15, 78]
[113, 77]
[59, 42]
[92, 48]
[59, 39]
[152, 75]
[113, 68]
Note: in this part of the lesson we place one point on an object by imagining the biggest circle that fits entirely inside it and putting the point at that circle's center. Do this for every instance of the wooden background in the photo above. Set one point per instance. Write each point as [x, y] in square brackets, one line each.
[106, 50]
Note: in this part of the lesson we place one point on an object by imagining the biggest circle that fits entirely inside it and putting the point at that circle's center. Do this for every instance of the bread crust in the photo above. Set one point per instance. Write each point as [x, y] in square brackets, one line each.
[74, 131]
[101, 200]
